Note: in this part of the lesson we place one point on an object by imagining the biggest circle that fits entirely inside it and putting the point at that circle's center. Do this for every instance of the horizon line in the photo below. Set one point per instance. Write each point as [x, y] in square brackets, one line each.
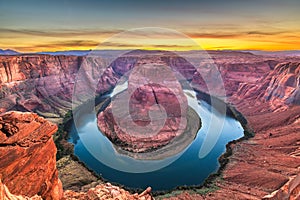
[143, 49]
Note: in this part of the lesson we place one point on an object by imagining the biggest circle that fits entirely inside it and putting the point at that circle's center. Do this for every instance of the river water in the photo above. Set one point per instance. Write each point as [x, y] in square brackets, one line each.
[188, 167]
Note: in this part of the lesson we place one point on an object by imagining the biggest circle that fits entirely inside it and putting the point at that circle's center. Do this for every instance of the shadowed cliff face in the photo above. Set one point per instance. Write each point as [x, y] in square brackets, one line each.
[28, 155]
[38, 83]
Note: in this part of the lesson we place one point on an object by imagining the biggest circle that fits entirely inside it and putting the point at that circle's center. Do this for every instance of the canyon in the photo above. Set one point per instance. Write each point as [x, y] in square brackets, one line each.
[265, 89]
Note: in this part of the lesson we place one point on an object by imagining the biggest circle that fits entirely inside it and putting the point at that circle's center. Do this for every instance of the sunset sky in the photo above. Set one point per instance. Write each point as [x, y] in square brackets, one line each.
[32, 26]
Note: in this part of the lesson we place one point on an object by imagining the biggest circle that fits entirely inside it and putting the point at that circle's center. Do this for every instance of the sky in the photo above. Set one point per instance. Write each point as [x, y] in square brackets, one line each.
[33, 26]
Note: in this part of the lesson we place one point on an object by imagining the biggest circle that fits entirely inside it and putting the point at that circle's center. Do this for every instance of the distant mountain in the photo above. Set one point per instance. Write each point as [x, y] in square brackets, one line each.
[8, 52]
[275, 53]
[86, 52]
[71, 52]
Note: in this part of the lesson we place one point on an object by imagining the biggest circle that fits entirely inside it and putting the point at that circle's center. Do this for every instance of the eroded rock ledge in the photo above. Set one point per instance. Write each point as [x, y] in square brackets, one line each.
[106, 192]
[28, 155]
[6, 195]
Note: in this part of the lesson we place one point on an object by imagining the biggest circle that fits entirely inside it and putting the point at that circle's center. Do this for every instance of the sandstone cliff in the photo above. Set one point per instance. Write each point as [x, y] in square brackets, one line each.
[281, 87]
[6, 195]
[37, 83]
[266, 92]
[27, 154]
[44, 83]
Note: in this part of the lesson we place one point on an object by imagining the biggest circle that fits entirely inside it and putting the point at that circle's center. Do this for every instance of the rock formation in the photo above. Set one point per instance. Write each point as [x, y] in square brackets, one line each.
[290, 190]
[265, 89]
[28, 167]
[45, 83]
[281, 87]
[149, 114]
[38, 83]
[28, 155]
[106, 192]
[6, 195]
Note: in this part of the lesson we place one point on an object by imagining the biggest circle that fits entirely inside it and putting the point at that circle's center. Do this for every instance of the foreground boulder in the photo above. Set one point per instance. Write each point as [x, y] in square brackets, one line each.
[28, 155]
[107, 191]
[6, 195]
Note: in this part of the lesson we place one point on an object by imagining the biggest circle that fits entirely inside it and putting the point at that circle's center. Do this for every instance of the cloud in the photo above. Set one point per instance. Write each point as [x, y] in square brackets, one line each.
[59, 32]
[264, 33]
[128, 45]
[84, 44]
[222, 47]
[213, 35]
[140, 33]
[71, 44]
[153, 33]
[229, 35]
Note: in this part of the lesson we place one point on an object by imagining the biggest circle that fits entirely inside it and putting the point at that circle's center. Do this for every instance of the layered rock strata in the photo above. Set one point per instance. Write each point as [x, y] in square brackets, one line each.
[149, 114]
[28, 155]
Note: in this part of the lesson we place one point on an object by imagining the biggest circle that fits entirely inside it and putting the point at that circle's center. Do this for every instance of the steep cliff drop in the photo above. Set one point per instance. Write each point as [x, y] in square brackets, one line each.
[28, 155]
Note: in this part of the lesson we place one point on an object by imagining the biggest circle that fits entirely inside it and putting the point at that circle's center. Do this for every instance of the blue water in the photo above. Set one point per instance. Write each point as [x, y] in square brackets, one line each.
[189, 167]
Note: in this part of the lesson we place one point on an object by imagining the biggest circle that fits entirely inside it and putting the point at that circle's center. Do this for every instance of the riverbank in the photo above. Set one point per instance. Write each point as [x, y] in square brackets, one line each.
[262, 164]
[207, 186]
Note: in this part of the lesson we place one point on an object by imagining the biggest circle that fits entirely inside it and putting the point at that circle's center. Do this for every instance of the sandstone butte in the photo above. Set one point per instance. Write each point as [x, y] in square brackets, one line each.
[151, 88]
[265, 90]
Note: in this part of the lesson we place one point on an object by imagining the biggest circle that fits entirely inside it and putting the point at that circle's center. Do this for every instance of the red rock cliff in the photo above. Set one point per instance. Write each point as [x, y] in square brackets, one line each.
[28, 155]
[37, 83]
[281, 87]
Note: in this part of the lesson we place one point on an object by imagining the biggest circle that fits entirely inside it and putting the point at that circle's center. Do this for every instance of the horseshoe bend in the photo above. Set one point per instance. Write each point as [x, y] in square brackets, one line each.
[136, 130]
[262, 93]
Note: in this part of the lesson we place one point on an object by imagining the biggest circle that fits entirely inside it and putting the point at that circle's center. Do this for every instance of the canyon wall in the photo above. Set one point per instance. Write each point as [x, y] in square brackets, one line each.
[280, 87]
[264, 89]
[38, 83]
[44, 84]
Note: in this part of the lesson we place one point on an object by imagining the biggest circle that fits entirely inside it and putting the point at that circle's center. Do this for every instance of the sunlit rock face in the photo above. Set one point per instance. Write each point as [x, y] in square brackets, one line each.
[149, 114]
[280, 87]
[28, 155]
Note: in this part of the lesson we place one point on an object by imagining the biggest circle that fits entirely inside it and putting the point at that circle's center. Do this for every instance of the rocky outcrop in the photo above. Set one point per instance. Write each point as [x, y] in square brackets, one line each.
[149, 114]
[6, 195]
[281, 87]
[28, 155]
[291, 190]
[106, 192]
